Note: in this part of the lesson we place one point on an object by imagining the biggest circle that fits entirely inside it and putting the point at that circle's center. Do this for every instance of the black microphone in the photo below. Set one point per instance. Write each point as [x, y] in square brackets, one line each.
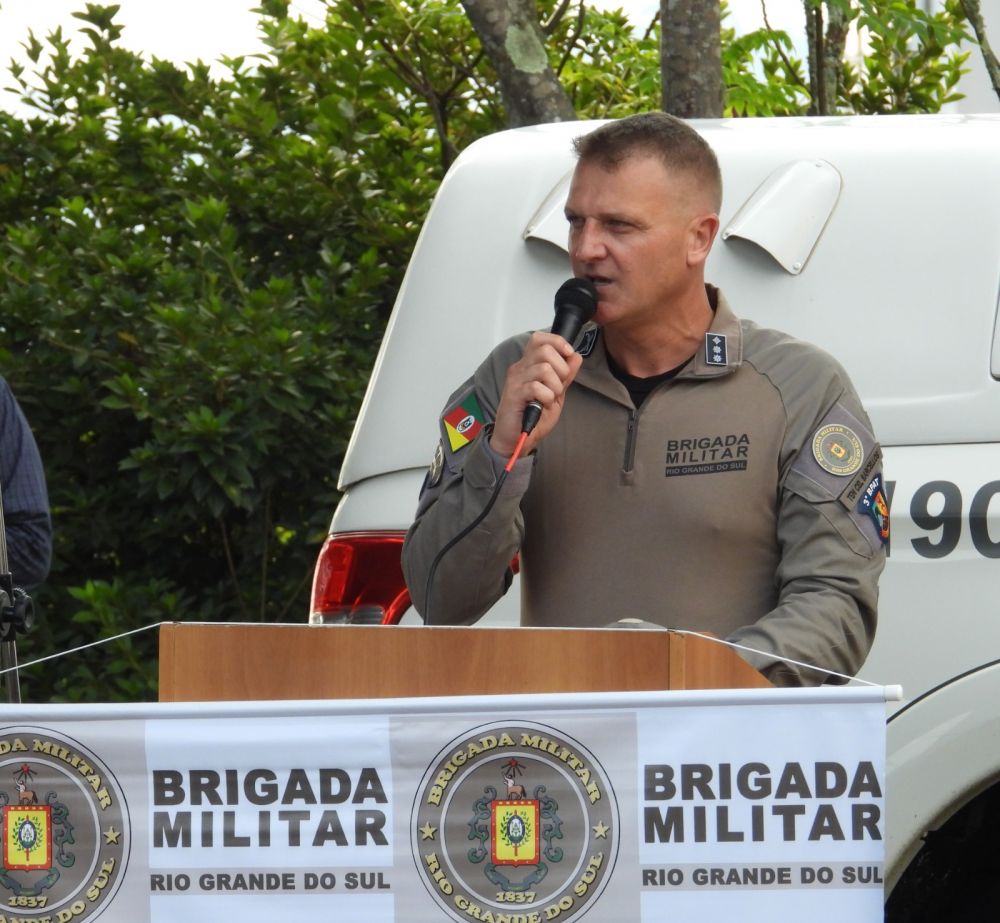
[576, 302]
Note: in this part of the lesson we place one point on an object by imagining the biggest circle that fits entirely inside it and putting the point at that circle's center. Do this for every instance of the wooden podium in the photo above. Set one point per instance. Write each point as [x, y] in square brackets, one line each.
[232, 662]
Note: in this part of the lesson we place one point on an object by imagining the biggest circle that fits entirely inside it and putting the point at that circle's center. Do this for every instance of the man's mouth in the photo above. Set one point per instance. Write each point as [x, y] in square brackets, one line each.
[599, 281]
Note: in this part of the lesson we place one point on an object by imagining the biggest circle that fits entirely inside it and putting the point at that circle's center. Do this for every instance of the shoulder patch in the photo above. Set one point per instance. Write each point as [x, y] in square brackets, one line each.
[837, 449]
[842, 462]
[874, 503]
[840, 458]
[462, 421]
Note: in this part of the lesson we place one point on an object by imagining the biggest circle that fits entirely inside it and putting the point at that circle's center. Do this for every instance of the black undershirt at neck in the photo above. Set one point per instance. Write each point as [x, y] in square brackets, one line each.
[639, 388]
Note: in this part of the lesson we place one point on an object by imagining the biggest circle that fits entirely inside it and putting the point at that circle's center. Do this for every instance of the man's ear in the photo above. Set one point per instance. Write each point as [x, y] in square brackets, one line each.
[701, 236]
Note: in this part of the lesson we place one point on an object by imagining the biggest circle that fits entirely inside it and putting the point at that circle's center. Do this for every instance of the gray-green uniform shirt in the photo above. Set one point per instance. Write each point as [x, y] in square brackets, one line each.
[743, 498]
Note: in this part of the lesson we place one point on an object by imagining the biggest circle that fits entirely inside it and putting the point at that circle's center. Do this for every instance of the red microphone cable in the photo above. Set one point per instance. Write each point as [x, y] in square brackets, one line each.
[516, 454]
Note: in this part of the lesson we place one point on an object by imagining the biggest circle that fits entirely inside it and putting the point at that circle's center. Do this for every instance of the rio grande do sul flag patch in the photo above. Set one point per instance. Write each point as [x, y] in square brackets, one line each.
[463, 421]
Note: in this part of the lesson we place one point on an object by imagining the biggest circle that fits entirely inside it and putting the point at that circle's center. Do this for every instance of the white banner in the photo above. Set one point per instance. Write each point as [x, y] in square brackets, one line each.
[744, 805]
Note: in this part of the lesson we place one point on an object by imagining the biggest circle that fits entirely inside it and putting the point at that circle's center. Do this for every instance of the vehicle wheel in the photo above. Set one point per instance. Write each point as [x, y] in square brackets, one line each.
[956, 875]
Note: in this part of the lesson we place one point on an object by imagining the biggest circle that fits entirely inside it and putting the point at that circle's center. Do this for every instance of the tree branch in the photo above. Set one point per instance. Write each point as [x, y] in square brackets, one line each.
[550, 24]
[231, 566]
[573, 39]
[652, 26]
[464, 73]
[264, 554]
[974, 14]
[790, 69]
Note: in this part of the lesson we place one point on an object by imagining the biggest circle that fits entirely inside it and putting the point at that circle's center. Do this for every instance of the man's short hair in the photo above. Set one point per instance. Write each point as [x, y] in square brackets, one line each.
[677, 145]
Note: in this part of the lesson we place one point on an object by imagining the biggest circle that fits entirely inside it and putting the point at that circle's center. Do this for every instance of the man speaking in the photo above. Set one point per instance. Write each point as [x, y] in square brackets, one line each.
[687, 468]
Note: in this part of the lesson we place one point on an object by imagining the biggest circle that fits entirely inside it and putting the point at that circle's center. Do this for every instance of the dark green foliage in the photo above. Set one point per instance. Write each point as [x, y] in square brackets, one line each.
[196, 275]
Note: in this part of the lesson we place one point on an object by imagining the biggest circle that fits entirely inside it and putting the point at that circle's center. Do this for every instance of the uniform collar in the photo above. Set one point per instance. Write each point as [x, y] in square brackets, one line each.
[594, 373]
[725, 327]
[721, 351]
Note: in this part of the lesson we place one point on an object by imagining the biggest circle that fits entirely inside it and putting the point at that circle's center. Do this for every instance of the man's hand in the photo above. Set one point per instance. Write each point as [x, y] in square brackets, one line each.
[542, 374]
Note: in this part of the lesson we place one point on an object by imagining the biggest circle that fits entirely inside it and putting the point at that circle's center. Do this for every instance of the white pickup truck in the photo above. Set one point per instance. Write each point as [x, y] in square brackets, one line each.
[877, 238]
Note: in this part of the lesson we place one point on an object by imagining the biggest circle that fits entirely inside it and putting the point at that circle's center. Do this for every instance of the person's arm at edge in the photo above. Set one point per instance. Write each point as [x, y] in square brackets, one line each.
[25, 496]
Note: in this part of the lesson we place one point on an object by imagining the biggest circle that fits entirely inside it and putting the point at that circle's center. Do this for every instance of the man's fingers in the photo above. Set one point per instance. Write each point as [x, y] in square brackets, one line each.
[543, 373]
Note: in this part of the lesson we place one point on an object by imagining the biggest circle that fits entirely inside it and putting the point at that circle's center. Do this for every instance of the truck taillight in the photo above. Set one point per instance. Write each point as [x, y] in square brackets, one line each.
[359, 580]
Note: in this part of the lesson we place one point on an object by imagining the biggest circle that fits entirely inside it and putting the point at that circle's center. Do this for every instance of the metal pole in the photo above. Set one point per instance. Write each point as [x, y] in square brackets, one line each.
[8, 661]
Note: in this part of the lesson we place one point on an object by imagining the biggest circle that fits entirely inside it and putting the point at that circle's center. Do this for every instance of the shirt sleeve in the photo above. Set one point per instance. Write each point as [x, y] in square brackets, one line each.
[832, 527]
[25, 497]
[468, 527]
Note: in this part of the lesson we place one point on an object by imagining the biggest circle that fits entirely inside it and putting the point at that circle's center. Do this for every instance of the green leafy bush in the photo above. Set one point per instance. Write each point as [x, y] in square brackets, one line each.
[196, 275]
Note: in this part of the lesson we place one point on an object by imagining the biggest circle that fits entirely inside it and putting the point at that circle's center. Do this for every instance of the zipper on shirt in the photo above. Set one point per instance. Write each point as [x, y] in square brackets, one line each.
[633, 419]
[632, 428]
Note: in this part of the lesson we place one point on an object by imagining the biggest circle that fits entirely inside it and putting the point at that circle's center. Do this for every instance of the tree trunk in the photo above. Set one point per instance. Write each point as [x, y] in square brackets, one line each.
[826, 53]
[691, 58]
[817, 59]
[975, 16]
[513, 41]
[837, 27]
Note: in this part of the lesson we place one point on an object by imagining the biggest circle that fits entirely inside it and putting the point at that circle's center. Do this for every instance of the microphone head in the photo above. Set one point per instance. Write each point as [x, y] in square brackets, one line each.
[578, 295]
[576, 302]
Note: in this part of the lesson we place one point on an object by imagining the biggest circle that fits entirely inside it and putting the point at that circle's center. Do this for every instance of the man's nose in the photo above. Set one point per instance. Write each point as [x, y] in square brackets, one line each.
[587, 242]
